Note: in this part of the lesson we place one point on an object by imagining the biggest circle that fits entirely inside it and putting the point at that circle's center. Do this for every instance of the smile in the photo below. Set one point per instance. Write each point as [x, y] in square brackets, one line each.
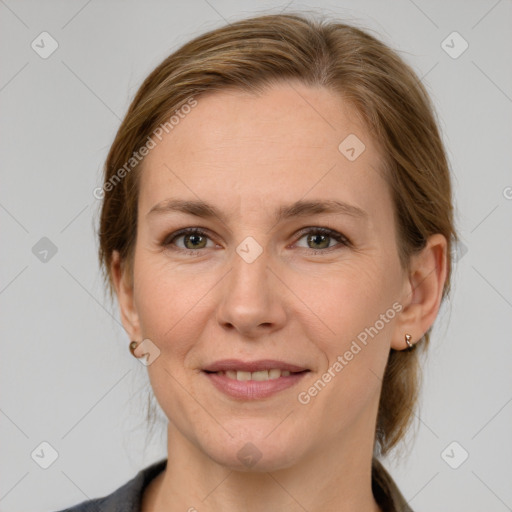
[248, 386]
[261, 375]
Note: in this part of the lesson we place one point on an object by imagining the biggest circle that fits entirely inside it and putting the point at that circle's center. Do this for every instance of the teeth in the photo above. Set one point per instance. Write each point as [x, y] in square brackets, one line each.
[274, 373]
[261, 375]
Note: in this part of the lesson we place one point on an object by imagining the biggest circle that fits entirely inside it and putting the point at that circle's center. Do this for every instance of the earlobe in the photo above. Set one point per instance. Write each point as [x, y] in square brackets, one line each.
[123, 285]
[423, 292]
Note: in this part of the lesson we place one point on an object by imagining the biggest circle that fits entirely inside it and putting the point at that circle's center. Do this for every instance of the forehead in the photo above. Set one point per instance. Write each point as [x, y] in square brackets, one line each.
[248, 150]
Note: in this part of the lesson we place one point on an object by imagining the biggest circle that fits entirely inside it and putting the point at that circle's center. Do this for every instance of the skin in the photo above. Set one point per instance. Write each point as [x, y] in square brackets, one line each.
[248, 155]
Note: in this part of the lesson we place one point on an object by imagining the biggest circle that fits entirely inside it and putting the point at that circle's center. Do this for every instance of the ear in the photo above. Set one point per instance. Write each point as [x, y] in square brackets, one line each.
[123, 284]
[422, 292]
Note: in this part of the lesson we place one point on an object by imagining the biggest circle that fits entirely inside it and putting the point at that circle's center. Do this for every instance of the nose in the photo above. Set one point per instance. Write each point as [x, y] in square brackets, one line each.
[252, 300]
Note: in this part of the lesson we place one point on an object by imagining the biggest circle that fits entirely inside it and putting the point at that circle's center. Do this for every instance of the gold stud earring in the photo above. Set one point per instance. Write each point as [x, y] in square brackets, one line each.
[133, 346]
[410, 346]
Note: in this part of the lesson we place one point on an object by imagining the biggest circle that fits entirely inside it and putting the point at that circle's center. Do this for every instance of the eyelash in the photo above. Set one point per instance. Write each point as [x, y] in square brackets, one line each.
[341, 239]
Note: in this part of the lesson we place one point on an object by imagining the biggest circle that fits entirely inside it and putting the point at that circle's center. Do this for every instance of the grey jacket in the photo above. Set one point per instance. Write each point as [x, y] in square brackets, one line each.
[128, 497]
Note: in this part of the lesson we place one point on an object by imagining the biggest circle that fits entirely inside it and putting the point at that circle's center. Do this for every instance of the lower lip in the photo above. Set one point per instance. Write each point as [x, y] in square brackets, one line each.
[253, 389]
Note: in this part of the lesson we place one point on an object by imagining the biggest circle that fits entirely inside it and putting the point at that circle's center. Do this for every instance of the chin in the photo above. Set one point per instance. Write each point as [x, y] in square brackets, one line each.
[253, 452]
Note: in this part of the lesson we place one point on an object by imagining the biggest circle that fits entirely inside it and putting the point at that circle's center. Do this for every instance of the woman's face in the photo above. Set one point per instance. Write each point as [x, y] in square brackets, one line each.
[279, 274]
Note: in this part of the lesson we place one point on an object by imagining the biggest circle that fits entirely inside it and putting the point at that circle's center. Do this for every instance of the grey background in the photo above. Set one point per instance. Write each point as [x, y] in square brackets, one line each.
[67, 377]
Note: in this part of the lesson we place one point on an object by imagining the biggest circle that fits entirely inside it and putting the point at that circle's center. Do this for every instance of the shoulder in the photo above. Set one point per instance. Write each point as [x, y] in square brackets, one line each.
[126, 498]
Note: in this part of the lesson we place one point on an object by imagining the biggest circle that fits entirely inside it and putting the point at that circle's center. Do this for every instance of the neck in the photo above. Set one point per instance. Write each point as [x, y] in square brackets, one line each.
[333, 478]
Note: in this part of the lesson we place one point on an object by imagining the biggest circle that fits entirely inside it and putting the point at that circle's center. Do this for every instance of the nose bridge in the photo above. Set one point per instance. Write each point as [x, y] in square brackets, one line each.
[249, 300]
[250, 274]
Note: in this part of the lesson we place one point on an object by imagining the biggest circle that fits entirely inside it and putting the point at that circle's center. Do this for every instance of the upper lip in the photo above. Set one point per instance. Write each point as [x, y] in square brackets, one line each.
[251, 366]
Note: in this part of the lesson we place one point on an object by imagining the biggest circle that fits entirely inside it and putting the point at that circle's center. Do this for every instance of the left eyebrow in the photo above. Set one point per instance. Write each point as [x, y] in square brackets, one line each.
[297, 209]
[304, 208]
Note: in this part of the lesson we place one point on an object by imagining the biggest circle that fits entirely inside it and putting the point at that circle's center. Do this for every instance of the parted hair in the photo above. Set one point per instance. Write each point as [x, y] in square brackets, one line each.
[253, 54]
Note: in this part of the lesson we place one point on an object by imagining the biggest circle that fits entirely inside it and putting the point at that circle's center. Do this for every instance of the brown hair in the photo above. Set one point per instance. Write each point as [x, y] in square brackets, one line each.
[255, 53]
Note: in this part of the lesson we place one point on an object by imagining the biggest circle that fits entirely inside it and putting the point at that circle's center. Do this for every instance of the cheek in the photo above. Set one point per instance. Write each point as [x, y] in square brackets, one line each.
[161, 298]
[172, 303]
[355, 306]
[171, 314]
[347, 299]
